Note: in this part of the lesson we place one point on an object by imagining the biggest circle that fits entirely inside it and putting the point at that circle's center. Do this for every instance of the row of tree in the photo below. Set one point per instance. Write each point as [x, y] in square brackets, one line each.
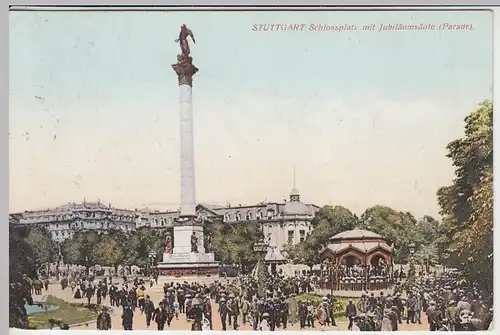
[467, 204]
[232, 244]
[401, 229]
[114, 247]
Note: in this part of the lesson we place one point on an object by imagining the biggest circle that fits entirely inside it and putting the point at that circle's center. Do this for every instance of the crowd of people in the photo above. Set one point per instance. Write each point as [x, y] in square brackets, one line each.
[446, 303]
[443, 302]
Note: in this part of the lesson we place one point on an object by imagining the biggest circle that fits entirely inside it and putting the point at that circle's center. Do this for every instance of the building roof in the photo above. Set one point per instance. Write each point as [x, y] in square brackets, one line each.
[294, 192]
[296, 208]
[274, 255]
[363, 247]
[356, 234]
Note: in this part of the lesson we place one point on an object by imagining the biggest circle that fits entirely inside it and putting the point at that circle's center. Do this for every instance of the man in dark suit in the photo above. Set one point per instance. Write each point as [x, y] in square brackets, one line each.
[127, 318]
[160, 316]
[350, 312]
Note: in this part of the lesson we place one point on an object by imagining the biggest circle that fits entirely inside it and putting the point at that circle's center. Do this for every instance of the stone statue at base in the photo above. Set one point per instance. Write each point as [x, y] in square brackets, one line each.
[168, 244]
[194, 243]
[208, 243]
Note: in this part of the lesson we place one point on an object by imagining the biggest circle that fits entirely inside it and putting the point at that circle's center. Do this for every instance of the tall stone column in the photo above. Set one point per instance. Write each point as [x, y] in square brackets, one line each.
[188, 198]
[187, 223]
[187, 259]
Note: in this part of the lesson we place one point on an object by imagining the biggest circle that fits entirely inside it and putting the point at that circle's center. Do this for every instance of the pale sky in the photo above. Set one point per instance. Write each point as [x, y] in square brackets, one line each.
[364, 116]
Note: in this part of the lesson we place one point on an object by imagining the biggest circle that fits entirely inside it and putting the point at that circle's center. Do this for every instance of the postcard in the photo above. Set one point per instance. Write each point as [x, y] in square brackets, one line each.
[251, 170]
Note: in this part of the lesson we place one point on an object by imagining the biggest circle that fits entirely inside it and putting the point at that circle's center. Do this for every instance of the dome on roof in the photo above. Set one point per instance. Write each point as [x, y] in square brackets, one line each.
[356, 234]
[294, 192]
[295, 208]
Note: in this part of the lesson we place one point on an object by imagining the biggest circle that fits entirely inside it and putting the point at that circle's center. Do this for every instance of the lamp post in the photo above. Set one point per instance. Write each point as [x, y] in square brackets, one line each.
[152, 261]
[331, 274]
[87, 265]
[412, 255]
[445, 257]
[412, 249]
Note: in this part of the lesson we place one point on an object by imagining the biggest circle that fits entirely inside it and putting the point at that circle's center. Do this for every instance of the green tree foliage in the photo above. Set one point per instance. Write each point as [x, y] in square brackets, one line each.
[401, 229]
[42, 245]
[233, 243]
[108, 252]
[328, 221]
[141, 243]
[114, 247]
[21, 263]
[467, 204]
[79, 249]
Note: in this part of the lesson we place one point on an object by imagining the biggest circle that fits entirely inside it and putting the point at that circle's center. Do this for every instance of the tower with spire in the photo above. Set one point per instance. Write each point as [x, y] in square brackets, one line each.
[294, 195]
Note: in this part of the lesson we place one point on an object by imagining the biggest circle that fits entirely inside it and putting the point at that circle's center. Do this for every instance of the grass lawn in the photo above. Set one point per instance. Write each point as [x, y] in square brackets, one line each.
[69, 313]
[341, 303]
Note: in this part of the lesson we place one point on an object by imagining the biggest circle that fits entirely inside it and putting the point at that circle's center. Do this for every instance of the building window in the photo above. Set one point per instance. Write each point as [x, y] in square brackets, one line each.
[270, 213]
[226, 217]
[302, 234]
[238, 217]
[290, 236]
[249, 216]
[258, 216]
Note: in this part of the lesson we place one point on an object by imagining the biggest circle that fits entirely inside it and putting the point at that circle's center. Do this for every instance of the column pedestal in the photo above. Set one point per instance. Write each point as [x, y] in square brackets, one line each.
[184, 265]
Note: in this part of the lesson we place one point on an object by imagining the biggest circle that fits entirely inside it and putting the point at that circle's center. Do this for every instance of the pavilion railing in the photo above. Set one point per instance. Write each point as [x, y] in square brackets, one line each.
[356, 286]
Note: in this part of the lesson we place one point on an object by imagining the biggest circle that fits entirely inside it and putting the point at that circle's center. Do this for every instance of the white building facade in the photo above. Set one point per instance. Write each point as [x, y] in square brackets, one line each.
[287, 222]
[63, 221]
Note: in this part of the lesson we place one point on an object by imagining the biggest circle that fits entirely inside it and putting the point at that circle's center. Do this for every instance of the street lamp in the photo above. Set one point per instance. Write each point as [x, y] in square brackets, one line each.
[412, 249]
[87, 265]
[152, 260]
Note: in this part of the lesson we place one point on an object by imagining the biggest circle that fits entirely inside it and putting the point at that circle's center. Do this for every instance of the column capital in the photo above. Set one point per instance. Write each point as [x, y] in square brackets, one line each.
[185, 69]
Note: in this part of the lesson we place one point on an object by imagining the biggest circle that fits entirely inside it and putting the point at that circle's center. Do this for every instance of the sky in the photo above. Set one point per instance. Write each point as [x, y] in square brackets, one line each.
[363, 117]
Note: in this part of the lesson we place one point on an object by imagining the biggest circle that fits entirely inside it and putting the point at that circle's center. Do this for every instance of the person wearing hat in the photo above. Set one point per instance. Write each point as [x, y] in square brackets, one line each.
[245, 309]
[141, 298]
[127, 318]
[285, 310]
[410, 308]
[104, 320]
[398, 302]
[181, 299]
[223, 312]
[196, 314]
[322, 315]
[188, 303]
[362, 304]
[350, 312]
[303, 314]
[255, 310]
[235, 311]
[392, 315]
[160, 316]
[207, 311]
[451, 314]
[434, 316]
[264, 324]
[149, 309]
[310, 314]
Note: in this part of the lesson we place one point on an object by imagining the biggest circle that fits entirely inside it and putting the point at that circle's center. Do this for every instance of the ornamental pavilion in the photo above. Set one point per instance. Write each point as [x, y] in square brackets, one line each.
[357, 260]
